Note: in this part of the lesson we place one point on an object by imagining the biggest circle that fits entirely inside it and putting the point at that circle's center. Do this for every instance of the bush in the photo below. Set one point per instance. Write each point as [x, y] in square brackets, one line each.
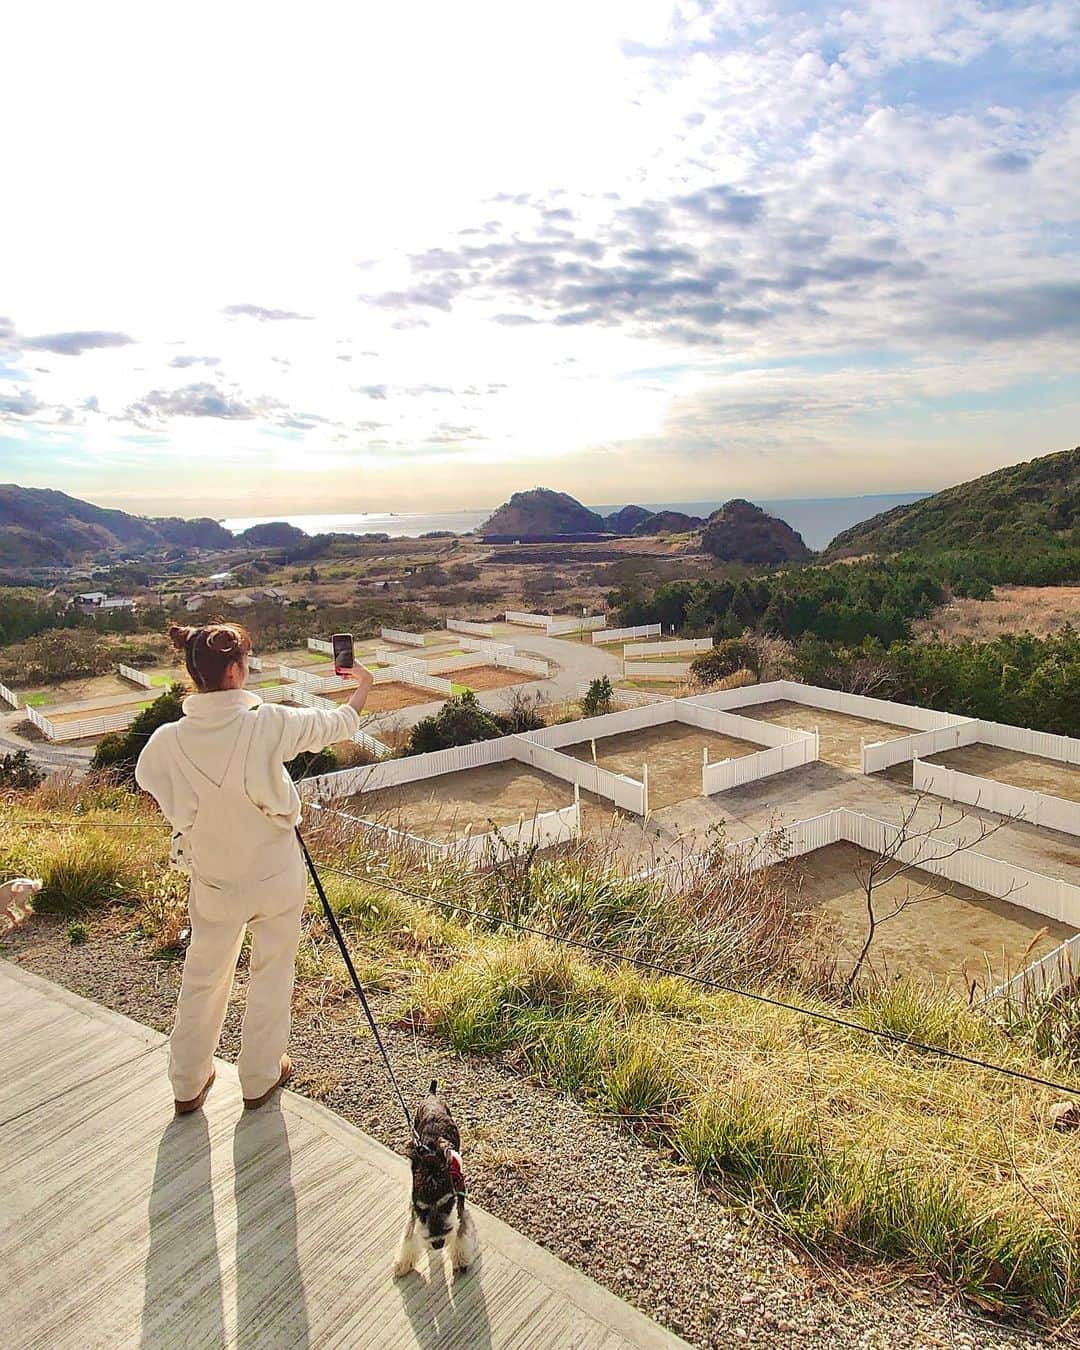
[17, 772]
[599, 698]
[724, 660]
[118, 751]
[85, 872]
[523, 714]
[312, 763]
[460, 721]
[77, 934]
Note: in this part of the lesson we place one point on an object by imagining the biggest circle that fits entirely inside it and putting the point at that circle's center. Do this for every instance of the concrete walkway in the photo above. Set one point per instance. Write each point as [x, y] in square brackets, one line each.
[121, 1225]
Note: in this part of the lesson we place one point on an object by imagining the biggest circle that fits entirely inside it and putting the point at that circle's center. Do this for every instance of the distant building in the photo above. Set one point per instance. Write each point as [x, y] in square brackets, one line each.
[218, 579]
[196, 602]
[91, 599]
[119, 602]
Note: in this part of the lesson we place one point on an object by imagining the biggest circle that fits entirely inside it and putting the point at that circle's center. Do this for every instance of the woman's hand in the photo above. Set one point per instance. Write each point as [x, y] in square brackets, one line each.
[364, 680]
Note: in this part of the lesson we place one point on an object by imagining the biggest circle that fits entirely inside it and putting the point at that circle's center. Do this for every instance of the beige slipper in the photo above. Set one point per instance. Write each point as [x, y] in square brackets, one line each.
[253, 1103]
[186, 1108]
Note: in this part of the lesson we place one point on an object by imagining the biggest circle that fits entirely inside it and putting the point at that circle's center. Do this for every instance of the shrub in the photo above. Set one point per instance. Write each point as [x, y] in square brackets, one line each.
[599, 698]
[460, 721]
[725, 659]
[17, 772]
[523, 714]
[311, 763]
[77, 934]
[83, 872]
[119, 750]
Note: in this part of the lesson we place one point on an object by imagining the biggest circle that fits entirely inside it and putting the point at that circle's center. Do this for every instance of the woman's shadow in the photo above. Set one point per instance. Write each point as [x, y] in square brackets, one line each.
[271, 1308]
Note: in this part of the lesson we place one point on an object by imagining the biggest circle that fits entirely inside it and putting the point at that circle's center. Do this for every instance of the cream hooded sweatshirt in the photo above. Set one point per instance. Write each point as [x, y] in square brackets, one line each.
[206, 737]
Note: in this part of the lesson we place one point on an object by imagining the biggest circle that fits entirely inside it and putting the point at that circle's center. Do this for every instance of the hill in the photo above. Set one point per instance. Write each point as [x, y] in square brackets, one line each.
[627, 520]
[743, 532]
[541, 511]
[1035, 502]
[39, 526]
[667, 522]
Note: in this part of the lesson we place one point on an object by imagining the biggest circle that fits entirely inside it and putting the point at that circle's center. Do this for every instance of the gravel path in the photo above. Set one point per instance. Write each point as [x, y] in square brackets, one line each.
[580, 1185]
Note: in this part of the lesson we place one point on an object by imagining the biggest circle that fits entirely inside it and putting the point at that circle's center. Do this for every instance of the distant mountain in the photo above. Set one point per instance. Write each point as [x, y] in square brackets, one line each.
[743, 532]
[1036, 502]
[667, 522]
[273, 534]
[627, 520]
[41, 527]
[541, 511]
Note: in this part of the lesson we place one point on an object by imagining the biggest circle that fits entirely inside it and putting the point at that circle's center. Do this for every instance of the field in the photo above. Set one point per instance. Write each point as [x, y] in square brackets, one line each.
[950, 938]
[482, 677]
[841, 735]
[387, 697]
[673, 752]
[1041, 610]
[1010, 766]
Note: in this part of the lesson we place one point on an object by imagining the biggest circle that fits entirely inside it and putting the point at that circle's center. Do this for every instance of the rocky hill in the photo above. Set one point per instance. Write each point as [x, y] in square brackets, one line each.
[627, 520]
[667, 522]
[1035, 502]
[42, 527]
[743, 532]
[543, 512]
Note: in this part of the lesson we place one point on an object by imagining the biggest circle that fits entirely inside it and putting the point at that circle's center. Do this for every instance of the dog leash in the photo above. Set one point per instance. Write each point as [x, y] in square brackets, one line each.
[336, 930]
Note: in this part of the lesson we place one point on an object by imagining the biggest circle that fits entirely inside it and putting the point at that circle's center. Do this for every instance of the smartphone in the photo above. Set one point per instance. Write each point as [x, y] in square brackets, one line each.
[343, 651]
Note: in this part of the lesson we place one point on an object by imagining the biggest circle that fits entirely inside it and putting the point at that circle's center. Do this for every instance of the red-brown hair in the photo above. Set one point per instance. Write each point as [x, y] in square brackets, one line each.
[209, 651]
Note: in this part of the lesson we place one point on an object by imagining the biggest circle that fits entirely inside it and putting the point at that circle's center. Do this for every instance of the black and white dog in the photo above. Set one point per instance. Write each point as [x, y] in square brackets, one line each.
[437, 1215]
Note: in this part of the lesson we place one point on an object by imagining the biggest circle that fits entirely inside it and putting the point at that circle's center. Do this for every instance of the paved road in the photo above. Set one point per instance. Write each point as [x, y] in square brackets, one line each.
[44, 754]
[122, 1225]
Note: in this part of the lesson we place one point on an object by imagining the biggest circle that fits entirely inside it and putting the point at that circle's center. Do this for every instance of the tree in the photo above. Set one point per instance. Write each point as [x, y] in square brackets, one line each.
[724, 660]
[909, 848]
[117, 752]
[17, 772]
[599, 698]
[460, 721]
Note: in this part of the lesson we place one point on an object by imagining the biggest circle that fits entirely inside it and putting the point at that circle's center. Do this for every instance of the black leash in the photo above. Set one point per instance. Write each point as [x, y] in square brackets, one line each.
[336, 930]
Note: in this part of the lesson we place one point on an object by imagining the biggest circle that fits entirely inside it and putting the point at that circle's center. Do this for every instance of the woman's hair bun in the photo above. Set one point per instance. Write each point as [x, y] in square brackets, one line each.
[223, 640]
[180, 635]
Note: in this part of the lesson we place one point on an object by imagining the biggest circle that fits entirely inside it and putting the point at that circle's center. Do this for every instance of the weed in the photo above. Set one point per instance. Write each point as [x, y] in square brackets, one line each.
[77, 933]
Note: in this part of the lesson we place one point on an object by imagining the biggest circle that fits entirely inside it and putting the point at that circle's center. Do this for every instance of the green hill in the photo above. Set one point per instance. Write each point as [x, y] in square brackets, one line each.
[541, 511]
[1036, 502]
[39, 526]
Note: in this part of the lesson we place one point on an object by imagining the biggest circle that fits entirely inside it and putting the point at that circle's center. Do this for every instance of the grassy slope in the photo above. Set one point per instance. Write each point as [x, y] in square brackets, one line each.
[852, 1145]
[1035, 501]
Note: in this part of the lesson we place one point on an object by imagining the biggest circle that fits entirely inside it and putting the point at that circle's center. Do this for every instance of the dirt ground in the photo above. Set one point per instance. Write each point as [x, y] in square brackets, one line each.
[841, 734]
[488, 677]
[673, 752]
[122, 705]
[476, 799]
[948, 938]
[1010, 766]
[386, 697]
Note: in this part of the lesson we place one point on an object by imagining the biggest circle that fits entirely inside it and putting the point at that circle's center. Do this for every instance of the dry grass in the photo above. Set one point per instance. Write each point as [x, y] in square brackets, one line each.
[1040, 610]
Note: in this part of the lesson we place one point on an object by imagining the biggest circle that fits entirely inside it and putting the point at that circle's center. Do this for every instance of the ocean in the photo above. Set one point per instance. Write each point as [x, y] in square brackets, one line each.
[817, 519]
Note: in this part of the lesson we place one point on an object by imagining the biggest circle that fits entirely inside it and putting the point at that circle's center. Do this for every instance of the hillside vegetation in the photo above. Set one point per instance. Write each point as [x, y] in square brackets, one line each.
[743, 532]
[848, 1144]
[1023, 505]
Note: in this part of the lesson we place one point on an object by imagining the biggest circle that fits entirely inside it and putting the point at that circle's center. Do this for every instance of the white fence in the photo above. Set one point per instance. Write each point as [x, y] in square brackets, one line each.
[473, 629]
[525, 665]
[676, 647]
[324, 684]
[82, 728]
[1037, 808]
[542, 830]
[558, 626]
[491, 650]
[1058, 969]
[376, 777]
[621, 634]
[608, 724]
[400, 636]
[626, 793]
[134, 676]
[656, 670]
[725, 774]
[526, 619]
[9, 696]
[632, 698]
[320, 645]
[385, 656]
[1044, 743]
[878, 755]
[373, 745]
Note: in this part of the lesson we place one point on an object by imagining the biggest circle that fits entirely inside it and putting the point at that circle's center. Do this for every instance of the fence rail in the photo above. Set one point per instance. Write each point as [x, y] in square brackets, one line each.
[656, 670]
[9, 695]
[1042, 743]
[473, 629]
[83, 728]
[320, 645]
[675, 647]
[134, 676]
[725, 774]
[559, 625]
[393, 773]
[1036, 808]
[632, 698]
[878, 755]
[621, 634]
[527, 619]
[403, 638]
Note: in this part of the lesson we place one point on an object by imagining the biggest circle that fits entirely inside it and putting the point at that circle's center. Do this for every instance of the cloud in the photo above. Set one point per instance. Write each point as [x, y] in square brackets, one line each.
[20, 403]
[184, 362]
[198, 400]
[75, 343]
[261, 314]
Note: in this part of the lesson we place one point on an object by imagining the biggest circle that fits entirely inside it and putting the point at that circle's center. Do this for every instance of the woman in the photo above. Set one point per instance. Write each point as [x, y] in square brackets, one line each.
[219, 777]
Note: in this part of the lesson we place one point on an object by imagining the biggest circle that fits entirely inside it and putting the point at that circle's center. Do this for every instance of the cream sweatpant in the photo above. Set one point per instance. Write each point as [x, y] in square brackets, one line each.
[219, 918]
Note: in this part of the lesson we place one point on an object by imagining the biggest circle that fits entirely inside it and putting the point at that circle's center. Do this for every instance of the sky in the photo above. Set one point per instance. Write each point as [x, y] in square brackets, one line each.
[258, 258]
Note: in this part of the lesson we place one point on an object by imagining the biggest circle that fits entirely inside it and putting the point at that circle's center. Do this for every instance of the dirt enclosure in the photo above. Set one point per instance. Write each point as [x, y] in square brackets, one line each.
[841, 734]
[673, 752]
[1011, 766]
[488, 677]
[476, 799]
[948, 938]
[386, 697]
